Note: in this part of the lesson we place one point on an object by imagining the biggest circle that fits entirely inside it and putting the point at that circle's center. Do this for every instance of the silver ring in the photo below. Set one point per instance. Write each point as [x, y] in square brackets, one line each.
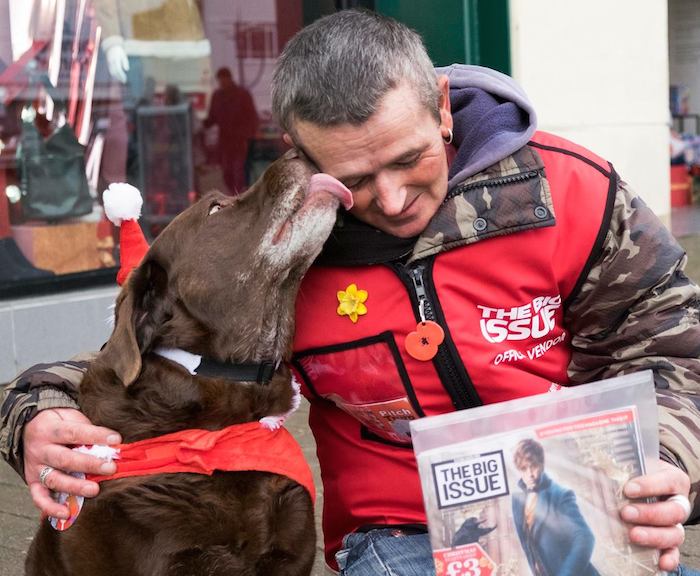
[683, 502]
[45, 471]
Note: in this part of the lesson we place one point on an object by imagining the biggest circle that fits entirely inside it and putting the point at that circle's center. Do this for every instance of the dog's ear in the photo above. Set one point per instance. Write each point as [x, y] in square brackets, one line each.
[142, 308]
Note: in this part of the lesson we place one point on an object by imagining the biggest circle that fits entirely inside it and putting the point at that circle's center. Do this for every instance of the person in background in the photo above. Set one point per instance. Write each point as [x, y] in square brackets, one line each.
[233, 113]
[482, 261]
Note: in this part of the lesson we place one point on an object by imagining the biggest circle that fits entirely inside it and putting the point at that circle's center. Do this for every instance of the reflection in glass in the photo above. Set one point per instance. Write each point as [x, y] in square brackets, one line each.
[172, 96]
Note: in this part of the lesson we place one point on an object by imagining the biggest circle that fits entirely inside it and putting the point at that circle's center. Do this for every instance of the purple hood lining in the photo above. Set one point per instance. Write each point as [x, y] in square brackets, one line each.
[492, 118]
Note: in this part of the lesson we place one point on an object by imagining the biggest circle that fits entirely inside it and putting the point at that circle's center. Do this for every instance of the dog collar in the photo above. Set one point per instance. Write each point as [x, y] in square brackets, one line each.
[199, 366]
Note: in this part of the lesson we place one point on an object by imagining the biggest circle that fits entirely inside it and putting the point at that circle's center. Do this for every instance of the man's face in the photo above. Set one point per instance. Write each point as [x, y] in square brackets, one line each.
[530, 474]
[395, 163]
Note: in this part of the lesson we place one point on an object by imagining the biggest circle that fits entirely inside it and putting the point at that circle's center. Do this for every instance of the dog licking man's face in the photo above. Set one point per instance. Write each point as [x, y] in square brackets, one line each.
[231, 266]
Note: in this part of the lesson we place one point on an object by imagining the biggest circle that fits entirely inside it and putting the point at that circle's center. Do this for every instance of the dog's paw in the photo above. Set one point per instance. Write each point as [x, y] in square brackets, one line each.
[272, 422]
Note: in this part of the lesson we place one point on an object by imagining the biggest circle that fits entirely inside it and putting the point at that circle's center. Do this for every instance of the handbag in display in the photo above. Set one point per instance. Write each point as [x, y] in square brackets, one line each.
[52, 174]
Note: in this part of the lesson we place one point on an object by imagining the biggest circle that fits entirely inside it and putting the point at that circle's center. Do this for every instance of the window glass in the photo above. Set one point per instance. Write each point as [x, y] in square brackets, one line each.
[172, 96]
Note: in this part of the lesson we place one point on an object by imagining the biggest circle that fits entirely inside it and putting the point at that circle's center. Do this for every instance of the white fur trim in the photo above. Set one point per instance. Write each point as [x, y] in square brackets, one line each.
[99, 451]
[272, 422]
[275, 422]
[296, 399]
[122, 202]
[185, 359]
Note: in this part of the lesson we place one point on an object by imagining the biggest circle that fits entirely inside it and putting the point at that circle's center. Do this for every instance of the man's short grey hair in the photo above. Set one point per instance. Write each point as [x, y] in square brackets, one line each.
[336, 70]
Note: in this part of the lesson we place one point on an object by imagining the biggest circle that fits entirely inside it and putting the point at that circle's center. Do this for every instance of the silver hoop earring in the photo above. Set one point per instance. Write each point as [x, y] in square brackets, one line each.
[450, 135]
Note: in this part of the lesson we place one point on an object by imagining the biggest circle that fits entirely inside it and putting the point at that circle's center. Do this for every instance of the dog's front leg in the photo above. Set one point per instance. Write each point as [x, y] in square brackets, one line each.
[293, 535]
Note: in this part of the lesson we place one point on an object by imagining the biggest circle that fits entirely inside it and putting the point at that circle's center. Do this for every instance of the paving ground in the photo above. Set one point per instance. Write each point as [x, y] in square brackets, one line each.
[18, 519]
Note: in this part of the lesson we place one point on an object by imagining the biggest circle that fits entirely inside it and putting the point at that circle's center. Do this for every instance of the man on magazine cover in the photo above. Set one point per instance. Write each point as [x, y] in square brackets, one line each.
[552, 531]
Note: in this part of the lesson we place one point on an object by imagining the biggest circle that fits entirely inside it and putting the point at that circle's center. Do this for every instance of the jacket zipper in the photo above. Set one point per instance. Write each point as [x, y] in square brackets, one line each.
[461, 393]
[493, 182]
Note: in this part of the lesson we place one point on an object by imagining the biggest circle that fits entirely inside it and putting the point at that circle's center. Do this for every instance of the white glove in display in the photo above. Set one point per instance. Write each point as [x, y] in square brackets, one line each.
[117, 62]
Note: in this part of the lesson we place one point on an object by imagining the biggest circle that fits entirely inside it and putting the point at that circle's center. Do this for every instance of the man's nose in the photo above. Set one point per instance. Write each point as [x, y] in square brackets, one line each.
[389, 193]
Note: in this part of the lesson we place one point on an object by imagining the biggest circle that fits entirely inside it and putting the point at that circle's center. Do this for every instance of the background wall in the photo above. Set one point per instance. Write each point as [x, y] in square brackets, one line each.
[5, 38]
[52, 328]
[597, 72]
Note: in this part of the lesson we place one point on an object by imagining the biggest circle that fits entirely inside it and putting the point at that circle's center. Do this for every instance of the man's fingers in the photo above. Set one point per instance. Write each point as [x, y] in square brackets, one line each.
[59, 481]
[669, 559]
[666, 481]
[65, 459]
[663, 513]
[43, 501]
[77, 433]
[659, 538]
[62, 426]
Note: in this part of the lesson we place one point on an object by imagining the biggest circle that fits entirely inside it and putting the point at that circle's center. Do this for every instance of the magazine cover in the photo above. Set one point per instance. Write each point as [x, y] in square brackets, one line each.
[541, 498]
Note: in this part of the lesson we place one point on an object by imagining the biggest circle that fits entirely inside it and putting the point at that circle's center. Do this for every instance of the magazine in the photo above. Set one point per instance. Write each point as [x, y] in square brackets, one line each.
[534, 486]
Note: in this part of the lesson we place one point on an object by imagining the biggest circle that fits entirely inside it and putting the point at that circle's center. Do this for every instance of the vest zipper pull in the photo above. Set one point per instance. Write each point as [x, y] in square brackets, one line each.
[422, 344]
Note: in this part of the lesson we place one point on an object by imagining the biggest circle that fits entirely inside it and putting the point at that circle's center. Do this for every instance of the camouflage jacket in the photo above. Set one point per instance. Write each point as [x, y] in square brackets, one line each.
[634, 310]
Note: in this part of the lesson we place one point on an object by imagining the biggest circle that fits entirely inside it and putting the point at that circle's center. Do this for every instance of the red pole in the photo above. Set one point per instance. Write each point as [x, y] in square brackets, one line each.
[4, 207]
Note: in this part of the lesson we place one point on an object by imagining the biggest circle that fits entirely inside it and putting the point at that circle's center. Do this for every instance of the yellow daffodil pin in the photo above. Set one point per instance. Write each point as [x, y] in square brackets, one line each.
[352, 302]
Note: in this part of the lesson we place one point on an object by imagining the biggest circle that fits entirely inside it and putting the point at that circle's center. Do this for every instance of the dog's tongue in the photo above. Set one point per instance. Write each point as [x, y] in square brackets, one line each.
[329, 184]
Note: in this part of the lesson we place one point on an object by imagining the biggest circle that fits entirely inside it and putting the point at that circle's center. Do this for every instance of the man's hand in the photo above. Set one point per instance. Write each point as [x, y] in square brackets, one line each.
[48, 439]
[655, 525]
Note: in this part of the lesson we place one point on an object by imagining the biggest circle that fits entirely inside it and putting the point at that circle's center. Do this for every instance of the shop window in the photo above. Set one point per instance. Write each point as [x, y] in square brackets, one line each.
[172, 96]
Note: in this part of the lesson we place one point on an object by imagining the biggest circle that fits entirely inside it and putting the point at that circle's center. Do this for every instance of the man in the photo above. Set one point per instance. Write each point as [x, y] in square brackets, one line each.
[233, 112]
[471, 239]
[553, 533]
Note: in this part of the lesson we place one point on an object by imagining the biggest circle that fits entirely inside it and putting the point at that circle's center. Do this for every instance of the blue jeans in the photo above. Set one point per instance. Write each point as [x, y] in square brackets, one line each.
[385, 552]
[388, 552]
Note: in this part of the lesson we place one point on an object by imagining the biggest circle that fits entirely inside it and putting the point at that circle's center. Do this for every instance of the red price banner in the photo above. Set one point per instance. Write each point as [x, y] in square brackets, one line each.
[469, 560]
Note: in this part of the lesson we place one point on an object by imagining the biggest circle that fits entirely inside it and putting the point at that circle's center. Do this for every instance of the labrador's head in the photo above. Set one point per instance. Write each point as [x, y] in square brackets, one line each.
[222, 278]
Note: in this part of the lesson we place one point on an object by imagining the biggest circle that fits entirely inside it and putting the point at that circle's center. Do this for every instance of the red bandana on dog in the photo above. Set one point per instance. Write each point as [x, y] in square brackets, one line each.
[241, 447]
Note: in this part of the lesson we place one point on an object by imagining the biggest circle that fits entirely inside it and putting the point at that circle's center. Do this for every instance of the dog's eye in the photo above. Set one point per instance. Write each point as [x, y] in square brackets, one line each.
[215, 208]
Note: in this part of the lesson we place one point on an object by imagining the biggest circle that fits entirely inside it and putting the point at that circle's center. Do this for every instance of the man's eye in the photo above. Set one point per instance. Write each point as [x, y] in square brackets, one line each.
[355, 184]
[409, 162]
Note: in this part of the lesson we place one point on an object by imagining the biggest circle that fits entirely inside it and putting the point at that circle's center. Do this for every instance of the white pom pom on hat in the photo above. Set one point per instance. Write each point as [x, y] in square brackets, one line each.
[122, 201]
[122, 204]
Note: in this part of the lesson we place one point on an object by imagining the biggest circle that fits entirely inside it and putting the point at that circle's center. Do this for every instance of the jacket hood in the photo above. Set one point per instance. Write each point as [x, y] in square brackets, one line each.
[492, 116]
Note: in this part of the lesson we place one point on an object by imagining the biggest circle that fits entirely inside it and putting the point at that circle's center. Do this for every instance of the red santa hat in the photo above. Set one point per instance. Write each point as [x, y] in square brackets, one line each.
[122, 203]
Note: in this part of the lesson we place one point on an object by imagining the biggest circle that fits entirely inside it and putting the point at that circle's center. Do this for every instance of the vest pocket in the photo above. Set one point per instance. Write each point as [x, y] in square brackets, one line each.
[365, 378]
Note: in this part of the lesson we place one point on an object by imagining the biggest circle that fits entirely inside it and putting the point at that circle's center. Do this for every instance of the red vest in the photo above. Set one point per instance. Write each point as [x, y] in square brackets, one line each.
[501, 302]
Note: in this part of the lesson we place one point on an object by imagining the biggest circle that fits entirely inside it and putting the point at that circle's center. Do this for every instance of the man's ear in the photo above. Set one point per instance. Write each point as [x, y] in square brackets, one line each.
[288, 139]
[443, 84]
[142, 308]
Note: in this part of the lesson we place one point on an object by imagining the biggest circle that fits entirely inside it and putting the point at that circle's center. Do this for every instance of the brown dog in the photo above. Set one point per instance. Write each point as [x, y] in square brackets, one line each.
[219, 282]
